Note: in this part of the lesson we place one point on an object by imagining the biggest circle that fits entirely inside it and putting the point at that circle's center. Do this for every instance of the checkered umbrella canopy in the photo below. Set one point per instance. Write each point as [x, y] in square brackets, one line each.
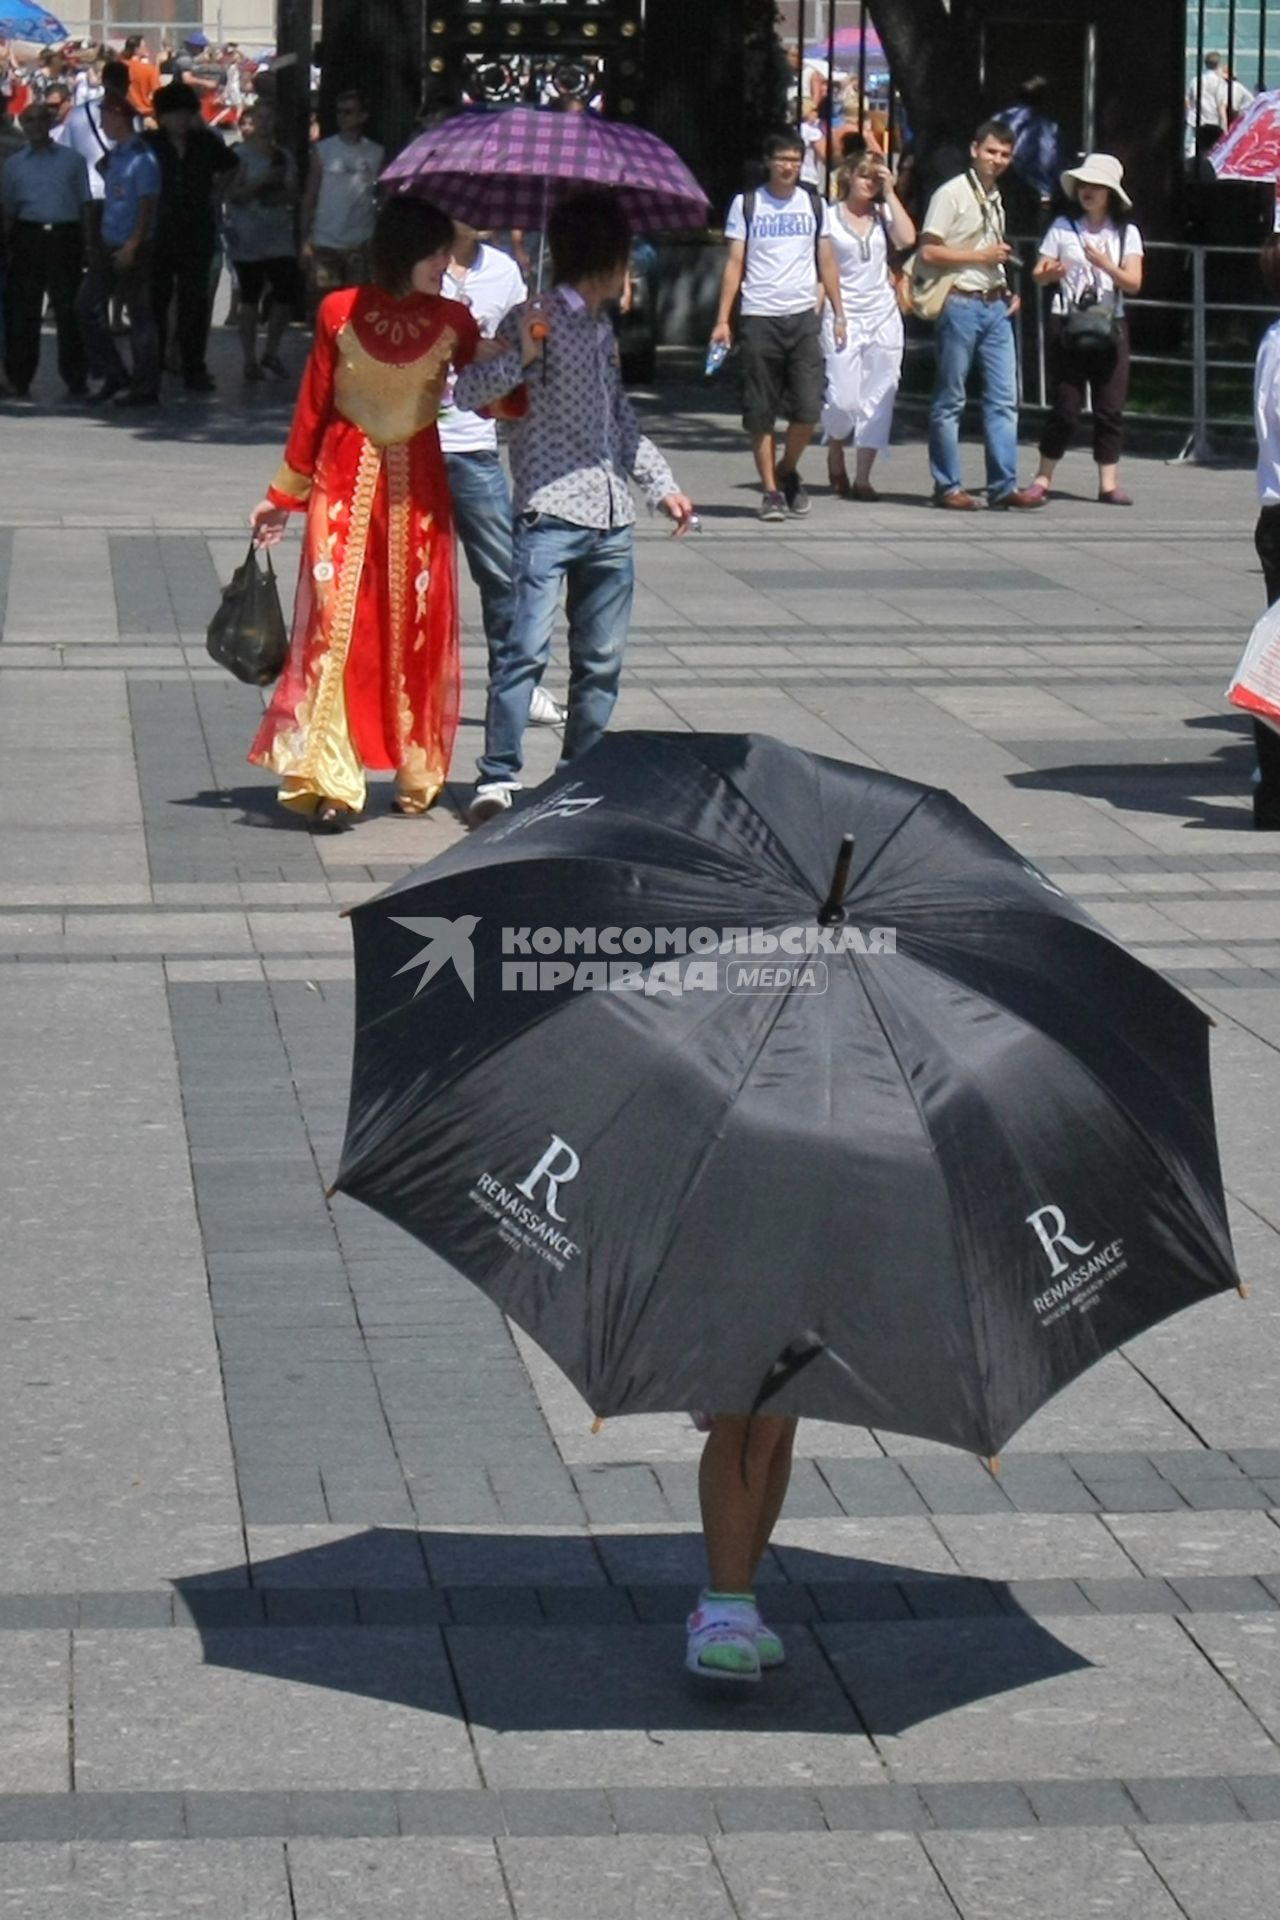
[508, 169]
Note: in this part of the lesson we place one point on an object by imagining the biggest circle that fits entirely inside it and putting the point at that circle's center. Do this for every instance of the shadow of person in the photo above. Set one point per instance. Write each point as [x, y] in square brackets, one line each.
[1187, 789]
[534, 1633]
[257, 806]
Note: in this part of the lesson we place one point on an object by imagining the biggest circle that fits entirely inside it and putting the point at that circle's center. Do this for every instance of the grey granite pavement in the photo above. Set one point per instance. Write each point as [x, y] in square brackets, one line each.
[320, 1597]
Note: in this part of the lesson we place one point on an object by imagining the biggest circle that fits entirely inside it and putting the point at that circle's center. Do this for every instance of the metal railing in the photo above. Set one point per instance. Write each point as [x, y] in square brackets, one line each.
[1196, 359]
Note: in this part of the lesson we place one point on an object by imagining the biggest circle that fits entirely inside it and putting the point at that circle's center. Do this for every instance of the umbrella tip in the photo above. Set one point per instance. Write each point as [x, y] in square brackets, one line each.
[597, 1423]
[992, 1465]
[831, 911]
[1243, 1291]
[329, 1192]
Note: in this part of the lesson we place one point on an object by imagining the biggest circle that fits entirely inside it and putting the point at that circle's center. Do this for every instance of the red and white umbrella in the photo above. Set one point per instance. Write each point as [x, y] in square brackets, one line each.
[1251, 150]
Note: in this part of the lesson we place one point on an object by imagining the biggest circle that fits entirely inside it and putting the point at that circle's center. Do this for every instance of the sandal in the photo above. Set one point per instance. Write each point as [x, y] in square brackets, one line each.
[332, 817]
[863, 490]
[722, 1641]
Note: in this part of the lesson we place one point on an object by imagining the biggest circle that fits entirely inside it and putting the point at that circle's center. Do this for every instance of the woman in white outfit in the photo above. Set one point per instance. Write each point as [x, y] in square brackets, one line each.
[867, 226]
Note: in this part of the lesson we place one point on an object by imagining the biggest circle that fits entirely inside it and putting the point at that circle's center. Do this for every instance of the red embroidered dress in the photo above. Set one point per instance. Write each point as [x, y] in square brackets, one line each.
[372, 677]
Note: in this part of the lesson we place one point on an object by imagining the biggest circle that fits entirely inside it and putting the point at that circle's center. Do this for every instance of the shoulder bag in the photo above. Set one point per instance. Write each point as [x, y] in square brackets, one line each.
[1090, 331]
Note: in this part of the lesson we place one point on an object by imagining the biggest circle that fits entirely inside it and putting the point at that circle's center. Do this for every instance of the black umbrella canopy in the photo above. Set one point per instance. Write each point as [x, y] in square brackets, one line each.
[914, 1167]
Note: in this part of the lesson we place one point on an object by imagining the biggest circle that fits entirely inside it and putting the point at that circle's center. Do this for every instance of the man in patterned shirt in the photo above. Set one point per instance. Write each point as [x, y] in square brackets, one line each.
[573, 453]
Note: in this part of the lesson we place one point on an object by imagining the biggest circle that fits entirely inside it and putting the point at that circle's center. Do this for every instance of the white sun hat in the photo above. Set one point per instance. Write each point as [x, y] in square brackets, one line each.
[1096, 170]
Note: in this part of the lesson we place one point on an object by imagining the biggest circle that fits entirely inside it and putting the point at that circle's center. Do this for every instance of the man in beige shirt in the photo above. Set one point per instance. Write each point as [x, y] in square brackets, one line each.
[963, 235]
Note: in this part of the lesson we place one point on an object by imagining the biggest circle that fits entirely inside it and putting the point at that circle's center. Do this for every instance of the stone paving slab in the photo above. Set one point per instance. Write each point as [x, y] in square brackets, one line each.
[297, 1708]
[248, 1881]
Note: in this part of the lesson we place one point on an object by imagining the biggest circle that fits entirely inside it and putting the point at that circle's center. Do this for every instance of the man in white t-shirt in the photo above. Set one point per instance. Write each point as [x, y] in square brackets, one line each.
[83, 129]
[338, 204]
[1221, 98]
[780, 261]
[490, 283]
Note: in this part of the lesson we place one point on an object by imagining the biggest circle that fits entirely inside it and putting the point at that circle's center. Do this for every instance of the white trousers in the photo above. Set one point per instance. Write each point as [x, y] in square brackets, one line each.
[862, 379]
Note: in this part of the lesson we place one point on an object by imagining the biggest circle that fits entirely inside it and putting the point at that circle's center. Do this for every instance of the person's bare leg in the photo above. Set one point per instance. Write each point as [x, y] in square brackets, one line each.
[837, 471]
[742, 1482]
[866, 459]
[779, 1479]
[798, 438]
[1044, 473]
[765, 455]
[1108, 478]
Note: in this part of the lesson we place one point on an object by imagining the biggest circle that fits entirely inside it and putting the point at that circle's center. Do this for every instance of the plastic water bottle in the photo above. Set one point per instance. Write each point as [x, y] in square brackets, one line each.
[717, 353]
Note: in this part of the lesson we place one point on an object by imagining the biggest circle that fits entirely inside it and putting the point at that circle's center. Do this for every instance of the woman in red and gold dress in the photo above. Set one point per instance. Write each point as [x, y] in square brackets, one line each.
[372, 676]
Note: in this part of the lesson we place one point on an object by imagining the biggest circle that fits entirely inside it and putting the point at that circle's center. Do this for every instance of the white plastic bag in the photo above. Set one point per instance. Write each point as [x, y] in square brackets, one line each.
[1255, 684]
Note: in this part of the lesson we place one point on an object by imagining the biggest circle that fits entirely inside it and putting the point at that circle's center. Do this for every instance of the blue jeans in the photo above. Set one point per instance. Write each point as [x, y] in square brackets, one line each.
[482, 515]
[598, 570]
[969, 330]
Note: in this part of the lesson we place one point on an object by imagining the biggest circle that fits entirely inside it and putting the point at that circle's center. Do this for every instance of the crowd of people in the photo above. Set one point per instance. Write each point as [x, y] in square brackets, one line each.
[122, 196]
[821, 289]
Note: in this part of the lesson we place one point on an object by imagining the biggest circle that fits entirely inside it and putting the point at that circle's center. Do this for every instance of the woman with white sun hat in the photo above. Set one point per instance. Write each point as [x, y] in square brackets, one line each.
[1092, 256]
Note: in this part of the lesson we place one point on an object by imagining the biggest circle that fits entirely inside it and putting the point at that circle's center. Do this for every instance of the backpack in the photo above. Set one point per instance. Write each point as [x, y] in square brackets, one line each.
[815, 201]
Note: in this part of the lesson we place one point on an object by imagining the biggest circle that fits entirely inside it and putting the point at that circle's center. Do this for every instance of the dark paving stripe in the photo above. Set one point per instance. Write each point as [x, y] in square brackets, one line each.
[207, 814]
[365, 1380]
[554, 1812]
[164, 583]
[832, 1593]
[1192, 1477]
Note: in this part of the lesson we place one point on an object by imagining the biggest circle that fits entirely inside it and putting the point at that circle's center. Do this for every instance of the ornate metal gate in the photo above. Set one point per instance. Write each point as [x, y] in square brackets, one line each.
[564, 53]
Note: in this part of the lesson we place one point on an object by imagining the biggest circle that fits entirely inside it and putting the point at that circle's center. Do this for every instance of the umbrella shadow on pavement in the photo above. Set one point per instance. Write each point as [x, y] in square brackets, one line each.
[1187, 789]
[543, 1632]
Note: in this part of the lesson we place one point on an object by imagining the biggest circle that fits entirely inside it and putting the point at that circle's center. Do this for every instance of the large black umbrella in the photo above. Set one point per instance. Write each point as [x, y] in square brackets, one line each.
[912, 1156]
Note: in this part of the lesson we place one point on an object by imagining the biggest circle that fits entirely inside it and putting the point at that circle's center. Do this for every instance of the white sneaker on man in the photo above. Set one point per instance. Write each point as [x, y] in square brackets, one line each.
[492, 797]
[544, 711]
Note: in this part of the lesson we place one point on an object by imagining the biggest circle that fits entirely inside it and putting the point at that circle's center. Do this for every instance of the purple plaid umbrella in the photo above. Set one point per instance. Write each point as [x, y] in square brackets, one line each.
[508, 169]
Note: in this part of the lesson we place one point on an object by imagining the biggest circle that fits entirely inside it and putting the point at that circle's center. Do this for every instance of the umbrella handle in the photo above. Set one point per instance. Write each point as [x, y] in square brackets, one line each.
[832, 910]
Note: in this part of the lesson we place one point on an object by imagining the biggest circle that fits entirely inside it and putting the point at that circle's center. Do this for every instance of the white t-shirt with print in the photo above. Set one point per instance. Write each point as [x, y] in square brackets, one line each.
[491, 286]
[781, 276]
[1064, 241]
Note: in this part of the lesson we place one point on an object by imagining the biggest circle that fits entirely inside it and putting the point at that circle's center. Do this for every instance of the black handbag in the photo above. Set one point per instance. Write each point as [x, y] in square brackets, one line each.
[247, 634]
[1090, 331]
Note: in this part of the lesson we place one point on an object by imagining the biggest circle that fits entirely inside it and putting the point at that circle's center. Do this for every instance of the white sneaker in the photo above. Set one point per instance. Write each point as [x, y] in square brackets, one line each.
[491, 798]
[544, 711]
